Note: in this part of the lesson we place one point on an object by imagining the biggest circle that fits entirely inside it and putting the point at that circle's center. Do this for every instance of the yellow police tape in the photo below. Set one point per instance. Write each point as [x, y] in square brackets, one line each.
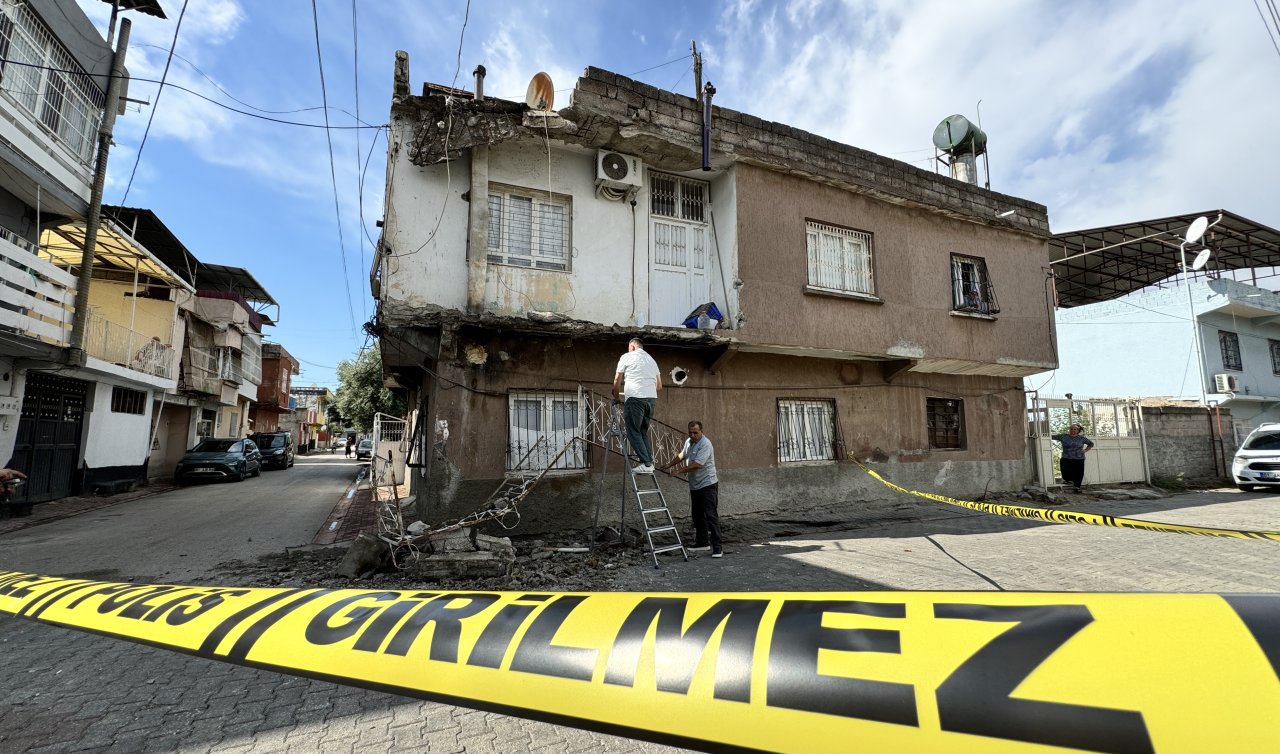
[789, 672]
[1076, 517]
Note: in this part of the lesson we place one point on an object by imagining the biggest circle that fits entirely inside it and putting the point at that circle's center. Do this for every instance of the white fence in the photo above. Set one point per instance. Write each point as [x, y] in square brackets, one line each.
[38, 297]
[117, 344]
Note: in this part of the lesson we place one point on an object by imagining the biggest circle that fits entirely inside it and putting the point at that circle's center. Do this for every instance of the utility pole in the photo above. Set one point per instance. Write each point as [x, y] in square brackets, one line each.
[76, 355]
[697, 71]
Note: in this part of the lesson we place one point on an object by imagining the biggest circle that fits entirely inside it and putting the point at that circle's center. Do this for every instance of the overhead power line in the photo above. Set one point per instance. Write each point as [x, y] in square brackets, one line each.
[137, 158]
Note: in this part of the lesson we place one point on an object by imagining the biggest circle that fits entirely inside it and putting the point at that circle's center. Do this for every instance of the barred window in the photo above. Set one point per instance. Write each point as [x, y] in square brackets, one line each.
[945, 417]
[839, 259]
[1230, 343]
[528, 228]
[540, 425]
[806, 430]
[680, 198]
[126, 401]
[45, 80]
[1275, 355]
[971, 288]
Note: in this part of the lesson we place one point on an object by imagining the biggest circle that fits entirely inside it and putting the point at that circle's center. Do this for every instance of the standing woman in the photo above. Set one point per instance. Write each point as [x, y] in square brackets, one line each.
[1074, 446]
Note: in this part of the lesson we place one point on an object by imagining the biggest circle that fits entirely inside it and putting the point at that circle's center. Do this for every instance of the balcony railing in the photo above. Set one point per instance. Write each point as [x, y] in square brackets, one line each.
[36, 298]
[119, 345]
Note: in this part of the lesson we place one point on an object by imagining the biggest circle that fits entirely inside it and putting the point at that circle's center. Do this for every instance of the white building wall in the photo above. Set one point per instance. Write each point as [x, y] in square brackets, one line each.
[427, 223]
[115, 439]
[12, 384]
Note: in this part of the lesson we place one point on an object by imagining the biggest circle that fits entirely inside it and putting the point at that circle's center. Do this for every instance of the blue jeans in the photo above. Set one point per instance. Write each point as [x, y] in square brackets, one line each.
[638, 412]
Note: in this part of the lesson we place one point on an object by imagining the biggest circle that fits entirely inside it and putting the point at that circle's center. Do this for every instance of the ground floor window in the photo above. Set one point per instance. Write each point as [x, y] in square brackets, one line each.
[806, 430]
[946, 422]
[126, 401]
[540, 424]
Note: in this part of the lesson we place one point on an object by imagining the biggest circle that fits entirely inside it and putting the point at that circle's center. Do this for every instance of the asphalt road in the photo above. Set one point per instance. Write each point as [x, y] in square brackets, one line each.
[182, 534]
[66, 691]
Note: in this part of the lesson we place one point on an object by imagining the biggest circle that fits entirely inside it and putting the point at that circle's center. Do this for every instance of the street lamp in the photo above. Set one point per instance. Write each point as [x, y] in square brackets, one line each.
[1194, 233]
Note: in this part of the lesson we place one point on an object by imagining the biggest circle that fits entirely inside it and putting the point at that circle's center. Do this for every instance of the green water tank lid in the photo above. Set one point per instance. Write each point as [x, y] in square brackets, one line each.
[957, 134]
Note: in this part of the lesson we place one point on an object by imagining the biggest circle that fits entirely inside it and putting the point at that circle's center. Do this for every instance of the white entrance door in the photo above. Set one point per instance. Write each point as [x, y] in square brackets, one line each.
[678, 271]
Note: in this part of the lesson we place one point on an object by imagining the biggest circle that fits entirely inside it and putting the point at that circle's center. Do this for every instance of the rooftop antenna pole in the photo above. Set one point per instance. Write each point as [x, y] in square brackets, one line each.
[986, 161]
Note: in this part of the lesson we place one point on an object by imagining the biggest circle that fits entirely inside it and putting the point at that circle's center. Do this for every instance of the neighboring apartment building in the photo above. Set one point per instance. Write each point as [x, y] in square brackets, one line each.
[274, 398]
[1125, 329]
[56, 415]
[869, 308]
[312, 415]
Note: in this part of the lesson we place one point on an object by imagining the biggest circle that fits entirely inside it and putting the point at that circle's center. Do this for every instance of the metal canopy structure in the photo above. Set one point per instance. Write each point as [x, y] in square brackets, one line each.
[1101, 264]
[237, 280]
[147, 230]
[115, 250]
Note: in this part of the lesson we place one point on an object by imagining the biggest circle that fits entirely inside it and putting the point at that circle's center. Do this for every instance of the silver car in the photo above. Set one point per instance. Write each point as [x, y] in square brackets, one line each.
[1257, 462]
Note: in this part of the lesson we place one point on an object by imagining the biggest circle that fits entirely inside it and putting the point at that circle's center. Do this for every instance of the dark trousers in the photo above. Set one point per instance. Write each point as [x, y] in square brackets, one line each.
[638, 412]
[1073, 471]
[706, 516]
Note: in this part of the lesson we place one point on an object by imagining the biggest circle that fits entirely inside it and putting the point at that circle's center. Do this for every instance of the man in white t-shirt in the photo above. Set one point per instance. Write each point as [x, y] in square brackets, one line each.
[636, 383]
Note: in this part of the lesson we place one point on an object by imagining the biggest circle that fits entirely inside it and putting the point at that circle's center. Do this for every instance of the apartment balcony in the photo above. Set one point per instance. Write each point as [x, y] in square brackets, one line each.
[123, 347]
[38, 297]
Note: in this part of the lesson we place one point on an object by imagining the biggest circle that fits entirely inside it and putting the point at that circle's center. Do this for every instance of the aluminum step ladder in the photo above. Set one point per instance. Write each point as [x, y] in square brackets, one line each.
[656, 517]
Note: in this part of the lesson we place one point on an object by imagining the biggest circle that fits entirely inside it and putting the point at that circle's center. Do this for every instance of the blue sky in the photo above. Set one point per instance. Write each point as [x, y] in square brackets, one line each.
[1105, 112]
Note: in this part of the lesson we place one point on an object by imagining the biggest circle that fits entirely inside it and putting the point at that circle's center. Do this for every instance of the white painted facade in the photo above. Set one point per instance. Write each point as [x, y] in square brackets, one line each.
[1143, 345]
[112, 438]
[613, 276]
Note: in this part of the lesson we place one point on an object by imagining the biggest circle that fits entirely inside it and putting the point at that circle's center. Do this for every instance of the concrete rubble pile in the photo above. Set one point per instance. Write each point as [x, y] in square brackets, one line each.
[460, 553]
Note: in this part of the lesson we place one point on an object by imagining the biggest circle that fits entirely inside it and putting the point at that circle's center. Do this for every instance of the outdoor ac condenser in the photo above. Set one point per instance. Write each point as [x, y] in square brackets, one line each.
[1225, 383]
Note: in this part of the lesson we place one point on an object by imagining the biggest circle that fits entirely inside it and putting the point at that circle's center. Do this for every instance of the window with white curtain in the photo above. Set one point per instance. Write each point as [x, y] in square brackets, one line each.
[806, 430]
[541, 424]
[839, 259]
[528, 228]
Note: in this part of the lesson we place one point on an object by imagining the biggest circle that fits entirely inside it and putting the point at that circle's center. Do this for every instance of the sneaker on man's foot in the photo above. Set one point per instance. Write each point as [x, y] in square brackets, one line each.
[699, 548]
[644, 468]
[717, 554]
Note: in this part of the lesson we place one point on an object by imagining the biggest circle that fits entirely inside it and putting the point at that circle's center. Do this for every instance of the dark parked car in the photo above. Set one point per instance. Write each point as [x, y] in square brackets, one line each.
[277, 449]
[364, 449]
[219, 458]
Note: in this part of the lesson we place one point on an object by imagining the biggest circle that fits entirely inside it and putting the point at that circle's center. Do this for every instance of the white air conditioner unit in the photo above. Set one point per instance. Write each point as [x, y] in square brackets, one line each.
[617, 171]
[1226, 383]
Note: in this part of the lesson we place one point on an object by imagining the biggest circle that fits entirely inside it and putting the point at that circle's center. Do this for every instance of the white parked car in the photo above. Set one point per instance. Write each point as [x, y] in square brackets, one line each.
[1257, 462]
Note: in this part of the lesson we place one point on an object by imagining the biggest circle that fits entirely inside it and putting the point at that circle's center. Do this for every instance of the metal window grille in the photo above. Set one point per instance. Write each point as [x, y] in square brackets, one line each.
[680, 198]
[126, 401]
[971, 288]
[1230, 344]
[1275, 355]
[539, 424]
[806, 430]
[839, 259]
[45, 80]
[528, 229]
[945, 418]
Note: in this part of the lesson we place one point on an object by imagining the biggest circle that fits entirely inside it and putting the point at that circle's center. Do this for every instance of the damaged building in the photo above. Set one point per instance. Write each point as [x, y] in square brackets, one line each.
[866, 308]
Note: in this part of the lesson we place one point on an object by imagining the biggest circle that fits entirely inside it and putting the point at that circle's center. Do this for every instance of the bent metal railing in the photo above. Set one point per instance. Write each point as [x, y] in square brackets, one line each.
[602, 427]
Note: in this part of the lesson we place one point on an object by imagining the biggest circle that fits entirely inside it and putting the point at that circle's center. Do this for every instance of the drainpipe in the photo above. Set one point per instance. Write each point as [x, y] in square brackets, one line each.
[479, 74]
[75, 354]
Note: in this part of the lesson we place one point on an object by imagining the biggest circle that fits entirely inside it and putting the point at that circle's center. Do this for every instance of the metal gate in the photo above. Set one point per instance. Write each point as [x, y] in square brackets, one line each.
[1119, 453]
[48, 446]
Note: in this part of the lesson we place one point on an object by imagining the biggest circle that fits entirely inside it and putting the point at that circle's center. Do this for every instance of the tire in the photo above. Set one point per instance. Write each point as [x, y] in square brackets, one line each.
[258, 470]
[242, 472]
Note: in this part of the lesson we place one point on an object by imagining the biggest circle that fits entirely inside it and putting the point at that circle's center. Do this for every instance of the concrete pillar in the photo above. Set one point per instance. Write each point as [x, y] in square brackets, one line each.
[478, 229]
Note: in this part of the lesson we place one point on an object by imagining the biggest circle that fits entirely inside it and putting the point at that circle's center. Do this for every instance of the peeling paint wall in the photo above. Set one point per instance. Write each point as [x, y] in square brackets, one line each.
[739, 409]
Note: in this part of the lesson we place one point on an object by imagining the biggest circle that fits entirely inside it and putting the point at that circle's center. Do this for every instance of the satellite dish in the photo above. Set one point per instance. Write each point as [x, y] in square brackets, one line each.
[1197, 228]
[1201, 259]
[541, 94]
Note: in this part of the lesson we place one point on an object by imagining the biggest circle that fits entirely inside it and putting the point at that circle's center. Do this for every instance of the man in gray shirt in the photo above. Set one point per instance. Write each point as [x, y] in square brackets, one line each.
[698, 460]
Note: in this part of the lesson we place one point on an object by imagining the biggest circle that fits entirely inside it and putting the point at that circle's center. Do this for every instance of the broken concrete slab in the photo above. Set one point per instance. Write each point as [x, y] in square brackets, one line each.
[367, 554]
[449, 565]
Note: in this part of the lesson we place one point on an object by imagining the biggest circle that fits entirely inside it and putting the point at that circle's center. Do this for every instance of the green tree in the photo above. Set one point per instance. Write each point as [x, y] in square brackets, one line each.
[361, 393]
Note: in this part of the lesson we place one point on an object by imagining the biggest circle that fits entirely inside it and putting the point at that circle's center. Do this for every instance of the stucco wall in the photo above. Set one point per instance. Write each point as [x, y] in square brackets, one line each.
[911, 254]
[609, 276]
[885, 423]
[149, 317]
[12, 385]
[113, 438]
[1180, 440]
